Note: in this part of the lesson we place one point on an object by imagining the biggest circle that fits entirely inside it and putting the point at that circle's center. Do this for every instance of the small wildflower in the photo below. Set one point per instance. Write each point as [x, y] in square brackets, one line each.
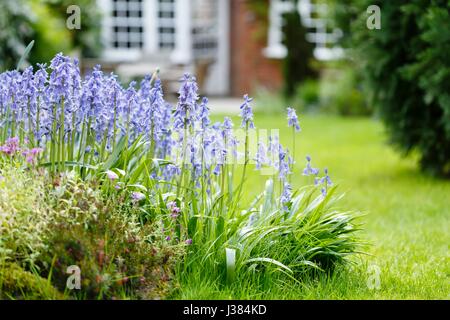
[137, 196]
[247, 113]
[293, 119]
[31, 155]
[112, 175]
[308, 169]
[174, 210]
[188, 242]
[286, 195]
[11, 146]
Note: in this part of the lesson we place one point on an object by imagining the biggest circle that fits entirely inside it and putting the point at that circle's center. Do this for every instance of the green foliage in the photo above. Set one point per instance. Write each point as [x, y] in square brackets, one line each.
[87, 38]
[16, 19]
[341, 92]
[310, 237]
[50, 223]
[45, 22]
[24, 215]
[308, 95]
[16, 283]
[297, 63]
[264, 243]
[50, 34]
[118, 256]
[406, 219]
[407, 68]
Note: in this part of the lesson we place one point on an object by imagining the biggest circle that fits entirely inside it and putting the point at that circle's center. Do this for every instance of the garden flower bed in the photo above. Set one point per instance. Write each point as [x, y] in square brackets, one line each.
[141, 195]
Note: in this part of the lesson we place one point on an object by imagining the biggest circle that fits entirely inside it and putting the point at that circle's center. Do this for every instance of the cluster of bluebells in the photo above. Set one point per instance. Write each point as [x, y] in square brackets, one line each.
[54, 104]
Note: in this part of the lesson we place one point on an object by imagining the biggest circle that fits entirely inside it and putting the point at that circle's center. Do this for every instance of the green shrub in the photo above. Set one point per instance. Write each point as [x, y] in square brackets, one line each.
[16, 283]
[16, 31]
[297, 65]
[341, 92]
[308, 95]
[407, 67]
[118, 257]
[24, 214]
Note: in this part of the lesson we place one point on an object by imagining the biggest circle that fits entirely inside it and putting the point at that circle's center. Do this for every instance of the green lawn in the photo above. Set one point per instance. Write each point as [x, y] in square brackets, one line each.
[406, 216]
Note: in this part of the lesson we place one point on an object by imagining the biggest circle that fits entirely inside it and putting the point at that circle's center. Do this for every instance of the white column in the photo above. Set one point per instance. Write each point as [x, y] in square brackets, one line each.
[106, 33]
[183, 35]
[218, 80]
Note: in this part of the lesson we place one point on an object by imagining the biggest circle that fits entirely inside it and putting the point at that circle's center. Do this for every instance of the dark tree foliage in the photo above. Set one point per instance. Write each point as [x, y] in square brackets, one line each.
[297, 64]
[87, 38]
[15, 32]
[406, 65]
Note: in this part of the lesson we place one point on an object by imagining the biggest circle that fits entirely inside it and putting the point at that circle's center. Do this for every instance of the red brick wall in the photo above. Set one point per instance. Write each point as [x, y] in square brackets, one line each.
[250, 69]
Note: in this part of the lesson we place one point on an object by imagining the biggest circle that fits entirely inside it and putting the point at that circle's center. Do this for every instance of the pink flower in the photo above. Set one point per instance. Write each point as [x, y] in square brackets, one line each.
[11, 146]
[174, 210]
[31, 155]
[137, 196]
[112, 175]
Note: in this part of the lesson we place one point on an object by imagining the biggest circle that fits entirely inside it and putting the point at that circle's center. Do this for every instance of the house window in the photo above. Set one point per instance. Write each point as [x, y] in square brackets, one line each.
[127, 24]
[205, 29]
[166, 24]
[318, 29]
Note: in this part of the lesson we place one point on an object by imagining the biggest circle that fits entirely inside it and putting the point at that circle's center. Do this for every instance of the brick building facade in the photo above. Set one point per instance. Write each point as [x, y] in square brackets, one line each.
[250, 68]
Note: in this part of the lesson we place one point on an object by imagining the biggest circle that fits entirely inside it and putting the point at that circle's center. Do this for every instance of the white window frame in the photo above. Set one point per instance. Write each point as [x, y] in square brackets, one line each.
[320, 38]
[181, 53]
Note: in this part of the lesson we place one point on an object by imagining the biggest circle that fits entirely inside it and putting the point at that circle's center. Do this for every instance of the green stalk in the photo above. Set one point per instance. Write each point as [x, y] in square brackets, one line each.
[13, 124]
[30, 126]
[180, 180]
[38, 114]
[244, 171]
[293, 153]
[127, 136]
[72, 138]
[53, 141]
[115, 123]
[82, 137]
[86, 144]
[61, 137]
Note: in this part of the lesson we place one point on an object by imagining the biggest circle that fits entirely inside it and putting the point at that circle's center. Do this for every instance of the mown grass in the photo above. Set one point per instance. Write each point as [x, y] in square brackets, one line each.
[406, 217]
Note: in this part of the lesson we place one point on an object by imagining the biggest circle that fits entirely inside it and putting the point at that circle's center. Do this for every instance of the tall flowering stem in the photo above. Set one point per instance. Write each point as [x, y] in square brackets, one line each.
[293, 122]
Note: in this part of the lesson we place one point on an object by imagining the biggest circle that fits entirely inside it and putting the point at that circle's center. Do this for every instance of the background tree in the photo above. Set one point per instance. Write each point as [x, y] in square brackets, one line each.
[16, 31]
[297, 65]
[406, 67]
[45, 22]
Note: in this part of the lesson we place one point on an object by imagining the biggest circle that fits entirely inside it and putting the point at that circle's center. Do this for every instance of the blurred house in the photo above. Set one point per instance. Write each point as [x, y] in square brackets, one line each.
[214, 39]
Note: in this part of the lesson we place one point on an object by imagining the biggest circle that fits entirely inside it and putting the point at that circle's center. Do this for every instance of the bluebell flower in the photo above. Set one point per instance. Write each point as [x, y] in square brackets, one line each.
[292, 119]
[203, 114]
[261, 156]
[308, 170]
[283, 164]
[187, 99]
[286, 195]
[247, 113]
